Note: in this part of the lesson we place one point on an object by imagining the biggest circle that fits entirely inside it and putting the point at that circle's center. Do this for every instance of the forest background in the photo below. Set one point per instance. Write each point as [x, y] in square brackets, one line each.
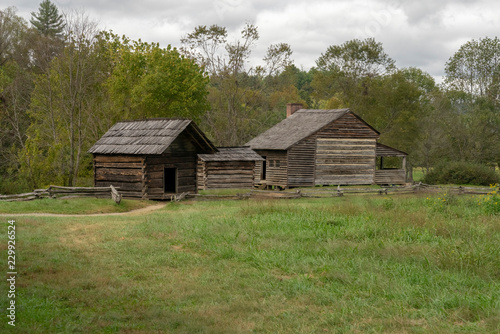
[64, 82]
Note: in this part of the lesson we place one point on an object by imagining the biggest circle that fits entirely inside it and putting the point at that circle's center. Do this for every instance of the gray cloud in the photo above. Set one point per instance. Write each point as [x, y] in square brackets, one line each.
[422, 33]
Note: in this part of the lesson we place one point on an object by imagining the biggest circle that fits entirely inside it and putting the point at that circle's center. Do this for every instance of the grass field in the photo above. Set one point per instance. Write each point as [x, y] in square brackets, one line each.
[71, 206]
[370, 264]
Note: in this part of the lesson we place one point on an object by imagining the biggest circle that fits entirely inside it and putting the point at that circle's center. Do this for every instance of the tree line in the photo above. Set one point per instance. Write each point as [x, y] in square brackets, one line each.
[64, 82]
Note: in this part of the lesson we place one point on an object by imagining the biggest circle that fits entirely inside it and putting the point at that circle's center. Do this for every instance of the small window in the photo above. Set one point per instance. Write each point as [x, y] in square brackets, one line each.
[278, 164]
[271, 163]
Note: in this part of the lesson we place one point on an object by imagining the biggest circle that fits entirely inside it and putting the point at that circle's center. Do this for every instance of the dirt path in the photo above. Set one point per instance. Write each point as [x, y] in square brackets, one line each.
[136, 212]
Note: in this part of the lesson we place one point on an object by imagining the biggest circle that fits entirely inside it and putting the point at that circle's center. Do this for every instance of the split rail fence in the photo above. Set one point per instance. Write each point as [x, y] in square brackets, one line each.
[112, 192]
[347, 191]
[66, 192]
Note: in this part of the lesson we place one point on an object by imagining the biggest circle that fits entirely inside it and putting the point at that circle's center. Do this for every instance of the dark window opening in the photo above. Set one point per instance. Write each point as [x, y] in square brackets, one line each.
[170, 180]
[264, 169]
[389, 162]
[278, 163]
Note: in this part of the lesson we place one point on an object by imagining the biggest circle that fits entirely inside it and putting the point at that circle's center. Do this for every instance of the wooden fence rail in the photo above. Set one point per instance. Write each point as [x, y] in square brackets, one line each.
[111, 192]
[339, 191]
[65, 192]
[416, 188]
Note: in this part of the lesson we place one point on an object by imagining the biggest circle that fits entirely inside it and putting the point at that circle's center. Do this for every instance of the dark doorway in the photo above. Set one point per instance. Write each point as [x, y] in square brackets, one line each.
[170, 180]
[264, 169]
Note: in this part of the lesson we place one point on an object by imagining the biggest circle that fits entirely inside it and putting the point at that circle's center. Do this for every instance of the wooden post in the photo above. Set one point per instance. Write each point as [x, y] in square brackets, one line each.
[95, 170]
[144, 176]
[115, 195]
[404, 168]
[339, 192]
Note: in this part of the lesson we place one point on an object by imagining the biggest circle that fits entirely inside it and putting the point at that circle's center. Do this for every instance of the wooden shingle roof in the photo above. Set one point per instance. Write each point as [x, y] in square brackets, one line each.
[298, 126]
[243, 153]
[150, 136]
[387, 151]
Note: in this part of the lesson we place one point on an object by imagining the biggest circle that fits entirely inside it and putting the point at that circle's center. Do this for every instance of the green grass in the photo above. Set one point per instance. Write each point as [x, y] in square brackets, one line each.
[368, 264]
[225, 192]
[418, 174]
[71, 206]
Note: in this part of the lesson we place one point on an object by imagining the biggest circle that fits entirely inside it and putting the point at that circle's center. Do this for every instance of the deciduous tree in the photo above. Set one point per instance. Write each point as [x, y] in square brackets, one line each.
[15, 89]
[472, 82]
[150, 81]
[237, 93]
[62, 108]
[348, 70]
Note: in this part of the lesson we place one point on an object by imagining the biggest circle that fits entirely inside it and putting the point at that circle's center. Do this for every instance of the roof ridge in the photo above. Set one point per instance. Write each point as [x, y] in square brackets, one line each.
[155, 119]
[322, 110]
[244, 146]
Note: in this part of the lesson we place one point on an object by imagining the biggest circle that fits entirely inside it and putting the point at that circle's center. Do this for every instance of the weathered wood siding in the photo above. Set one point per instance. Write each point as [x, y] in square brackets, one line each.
[143, 176]
[258, 172]
[301, 163]
[181, 155]
[123, 171]
[345, 161]
[346, 152]
[347, 126]
[201, 175]
[225, 174]
[390, 176]
[155, 169]
[276, 173]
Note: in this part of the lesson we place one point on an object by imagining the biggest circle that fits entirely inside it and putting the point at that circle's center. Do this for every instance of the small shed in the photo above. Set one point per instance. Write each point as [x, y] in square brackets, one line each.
[150, 159]
[230, 167]
[317, 147]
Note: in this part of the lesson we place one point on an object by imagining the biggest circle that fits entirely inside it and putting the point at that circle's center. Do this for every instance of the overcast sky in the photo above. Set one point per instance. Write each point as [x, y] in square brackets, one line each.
[423, 33]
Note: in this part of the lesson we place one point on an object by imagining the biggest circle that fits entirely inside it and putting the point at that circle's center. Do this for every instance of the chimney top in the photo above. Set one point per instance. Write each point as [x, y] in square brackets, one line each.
[292, 107]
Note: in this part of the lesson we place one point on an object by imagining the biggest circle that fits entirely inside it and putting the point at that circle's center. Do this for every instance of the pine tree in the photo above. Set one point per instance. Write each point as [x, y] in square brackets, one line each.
[48, 21]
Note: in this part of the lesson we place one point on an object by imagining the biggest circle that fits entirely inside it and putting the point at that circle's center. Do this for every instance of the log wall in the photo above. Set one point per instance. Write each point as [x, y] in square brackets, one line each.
[155, 168]
[225, 174]
[201, 172]
[258, 171]
[143, 176]
[276, 172]
[301, 163]
[125, 172]
[348, 126]
[181, 155]
[390, 176]
[346, 152]
[345, 161]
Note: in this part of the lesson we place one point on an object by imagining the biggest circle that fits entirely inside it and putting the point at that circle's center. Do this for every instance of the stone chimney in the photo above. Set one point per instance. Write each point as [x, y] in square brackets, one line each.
[291, 108]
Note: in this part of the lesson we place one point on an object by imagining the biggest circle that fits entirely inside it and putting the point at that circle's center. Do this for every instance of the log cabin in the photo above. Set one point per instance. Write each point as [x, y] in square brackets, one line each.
[313, 147]
[150, 159]
[230, 167]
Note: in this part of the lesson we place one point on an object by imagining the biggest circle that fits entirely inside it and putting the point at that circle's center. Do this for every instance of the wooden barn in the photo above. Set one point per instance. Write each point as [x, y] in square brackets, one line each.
[320, 147]
[230, 167]
[150, 159]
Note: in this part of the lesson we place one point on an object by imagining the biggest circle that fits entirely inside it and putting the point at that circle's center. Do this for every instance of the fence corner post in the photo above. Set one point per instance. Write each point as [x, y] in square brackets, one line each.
[461, 190]
[115, 195]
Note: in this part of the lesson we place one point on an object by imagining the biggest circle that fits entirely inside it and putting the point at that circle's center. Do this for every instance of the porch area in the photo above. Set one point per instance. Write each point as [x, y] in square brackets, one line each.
[391, 165]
